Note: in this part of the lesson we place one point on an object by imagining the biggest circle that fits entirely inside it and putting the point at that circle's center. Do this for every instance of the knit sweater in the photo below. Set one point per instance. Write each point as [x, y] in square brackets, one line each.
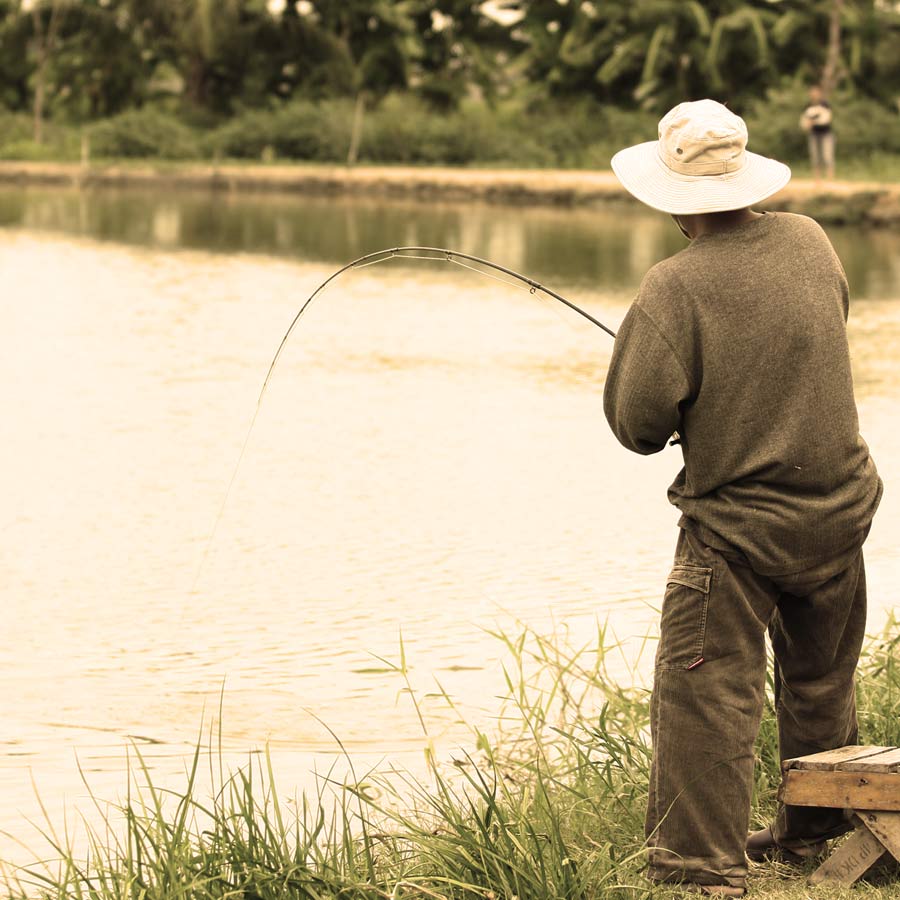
[739, 344]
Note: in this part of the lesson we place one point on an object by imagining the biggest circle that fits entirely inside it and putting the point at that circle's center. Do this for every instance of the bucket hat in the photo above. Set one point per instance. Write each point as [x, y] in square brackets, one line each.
[700, 164]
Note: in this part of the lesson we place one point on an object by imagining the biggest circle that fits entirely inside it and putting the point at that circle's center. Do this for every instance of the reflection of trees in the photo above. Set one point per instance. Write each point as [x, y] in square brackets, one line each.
[871, 261]
[166, 227]
[596, 245]
[12, 208]
[603, 247]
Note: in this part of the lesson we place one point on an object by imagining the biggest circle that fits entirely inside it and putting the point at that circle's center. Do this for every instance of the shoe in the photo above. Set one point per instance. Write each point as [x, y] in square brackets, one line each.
[761, 845]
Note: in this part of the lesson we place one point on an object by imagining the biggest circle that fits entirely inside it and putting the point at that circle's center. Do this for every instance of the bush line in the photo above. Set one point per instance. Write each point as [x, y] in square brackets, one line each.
[402, 129]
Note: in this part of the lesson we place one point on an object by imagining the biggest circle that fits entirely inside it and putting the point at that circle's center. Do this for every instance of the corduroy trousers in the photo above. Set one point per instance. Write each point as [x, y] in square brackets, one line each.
[708, 696]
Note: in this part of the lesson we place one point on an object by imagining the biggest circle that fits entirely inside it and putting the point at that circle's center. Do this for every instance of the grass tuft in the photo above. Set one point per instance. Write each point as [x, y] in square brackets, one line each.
[550, 806]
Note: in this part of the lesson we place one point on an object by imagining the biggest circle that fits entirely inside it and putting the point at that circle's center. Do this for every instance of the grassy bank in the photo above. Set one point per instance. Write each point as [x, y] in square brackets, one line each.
[513, 152]
[523, 132]
[872, 203]
[550, 806]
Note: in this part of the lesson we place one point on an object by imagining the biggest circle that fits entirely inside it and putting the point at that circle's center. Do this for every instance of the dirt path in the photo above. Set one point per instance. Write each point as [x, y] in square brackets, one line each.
[849, 202]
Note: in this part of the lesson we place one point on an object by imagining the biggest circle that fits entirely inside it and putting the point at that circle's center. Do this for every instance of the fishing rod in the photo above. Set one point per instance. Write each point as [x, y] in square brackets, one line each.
[435, 254]
[438, 255]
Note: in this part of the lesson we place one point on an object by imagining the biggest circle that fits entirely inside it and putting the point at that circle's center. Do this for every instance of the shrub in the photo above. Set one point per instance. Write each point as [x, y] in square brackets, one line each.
[17, 141]
[29, 151]
[774, 123]
[144, 133]
[15, 127]
[243, 137]
[299, 130]
[862, 126]
[403, 129]
[315, 131]
[614, 129]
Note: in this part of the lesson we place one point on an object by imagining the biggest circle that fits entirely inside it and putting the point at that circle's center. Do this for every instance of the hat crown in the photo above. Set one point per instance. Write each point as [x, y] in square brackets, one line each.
[714, 171]
[702, 137]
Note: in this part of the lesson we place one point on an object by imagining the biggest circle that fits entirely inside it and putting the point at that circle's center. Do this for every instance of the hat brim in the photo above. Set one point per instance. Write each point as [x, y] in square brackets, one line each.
[644, 175]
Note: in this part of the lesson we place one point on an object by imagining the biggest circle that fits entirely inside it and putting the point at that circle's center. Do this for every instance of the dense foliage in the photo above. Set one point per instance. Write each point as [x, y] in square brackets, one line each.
[200, 65]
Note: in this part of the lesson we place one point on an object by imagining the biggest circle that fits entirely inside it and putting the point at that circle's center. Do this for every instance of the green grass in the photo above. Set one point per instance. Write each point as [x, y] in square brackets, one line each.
[549, 806]
[402, 130]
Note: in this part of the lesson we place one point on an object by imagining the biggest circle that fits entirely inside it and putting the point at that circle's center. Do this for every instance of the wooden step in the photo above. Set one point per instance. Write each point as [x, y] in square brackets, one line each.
[865, 779]
[843, 757]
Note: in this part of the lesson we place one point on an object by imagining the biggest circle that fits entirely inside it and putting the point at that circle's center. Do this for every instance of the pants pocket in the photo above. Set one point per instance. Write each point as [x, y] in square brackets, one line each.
[684, 613]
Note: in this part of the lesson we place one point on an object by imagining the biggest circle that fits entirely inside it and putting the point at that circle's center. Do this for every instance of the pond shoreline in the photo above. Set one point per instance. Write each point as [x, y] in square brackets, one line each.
[875, 204]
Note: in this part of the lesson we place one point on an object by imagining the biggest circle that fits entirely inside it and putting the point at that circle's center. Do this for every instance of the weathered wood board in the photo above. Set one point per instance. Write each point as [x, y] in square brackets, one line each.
[851, 860]
[886, 828]
[865, 779]
[844, 790]
[829, 759]
[888, 761]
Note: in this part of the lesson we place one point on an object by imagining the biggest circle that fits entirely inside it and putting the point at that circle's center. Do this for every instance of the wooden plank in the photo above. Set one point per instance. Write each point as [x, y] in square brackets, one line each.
[853, 858]
[828, 759]
[889, 761]
[844, 790]
[886, 827]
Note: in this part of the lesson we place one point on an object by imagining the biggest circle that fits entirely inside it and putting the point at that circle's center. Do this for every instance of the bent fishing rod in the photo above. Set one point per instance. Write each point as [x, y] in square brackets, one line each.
[435, 254]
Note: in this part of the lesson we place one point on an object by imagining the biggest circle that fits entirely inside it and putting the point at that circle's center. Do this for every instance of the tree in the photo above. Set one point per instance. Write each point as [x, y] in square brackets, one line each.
[650, 52]
[15, 56]
[85, 59]
[46, 18]
[738, 57]
[828, 41]
[97, 68]
[379, 43]
[464, 50]
[289, 56]
[209, 43]
[833, 56]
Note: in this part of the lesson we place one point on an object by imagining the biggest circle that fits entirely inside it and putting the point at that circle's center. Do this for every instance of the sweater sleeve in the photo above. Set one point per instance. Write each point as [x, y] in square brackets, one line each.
[645, 386]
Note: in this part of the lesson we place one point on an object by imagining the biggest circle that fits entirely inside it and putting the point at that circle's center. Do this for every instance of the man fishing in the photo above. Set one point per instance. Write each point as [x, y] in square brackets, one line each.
[738, 343]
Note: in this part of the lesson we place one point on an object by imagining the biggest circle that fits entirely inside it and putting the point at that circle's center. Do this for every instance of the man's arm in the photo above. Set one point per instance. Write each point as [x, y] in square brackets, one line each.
[645, 386]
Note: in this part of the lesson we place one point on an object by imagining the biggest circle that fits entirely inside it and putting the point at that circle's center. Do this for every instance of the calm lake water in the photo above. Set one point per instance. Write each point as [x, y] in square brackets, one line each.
[431, 459]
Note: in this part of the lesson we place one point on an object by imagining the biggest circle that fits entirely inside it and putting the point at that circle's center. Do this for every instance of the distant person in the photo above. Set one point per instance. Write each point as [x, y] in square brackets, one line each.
[739, 344]
[816, 122]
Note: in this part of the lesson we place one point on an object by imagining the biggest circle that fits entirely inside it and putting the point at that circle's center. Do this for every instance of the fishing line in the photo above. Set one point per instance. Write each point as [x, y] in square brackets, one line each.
[513, 284]
[434, 254]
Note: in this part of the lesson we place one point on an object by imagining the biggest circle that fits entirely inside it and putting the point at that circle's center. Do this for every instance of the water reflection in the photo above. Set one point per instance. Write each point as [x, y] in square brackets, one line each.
[609, 245]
